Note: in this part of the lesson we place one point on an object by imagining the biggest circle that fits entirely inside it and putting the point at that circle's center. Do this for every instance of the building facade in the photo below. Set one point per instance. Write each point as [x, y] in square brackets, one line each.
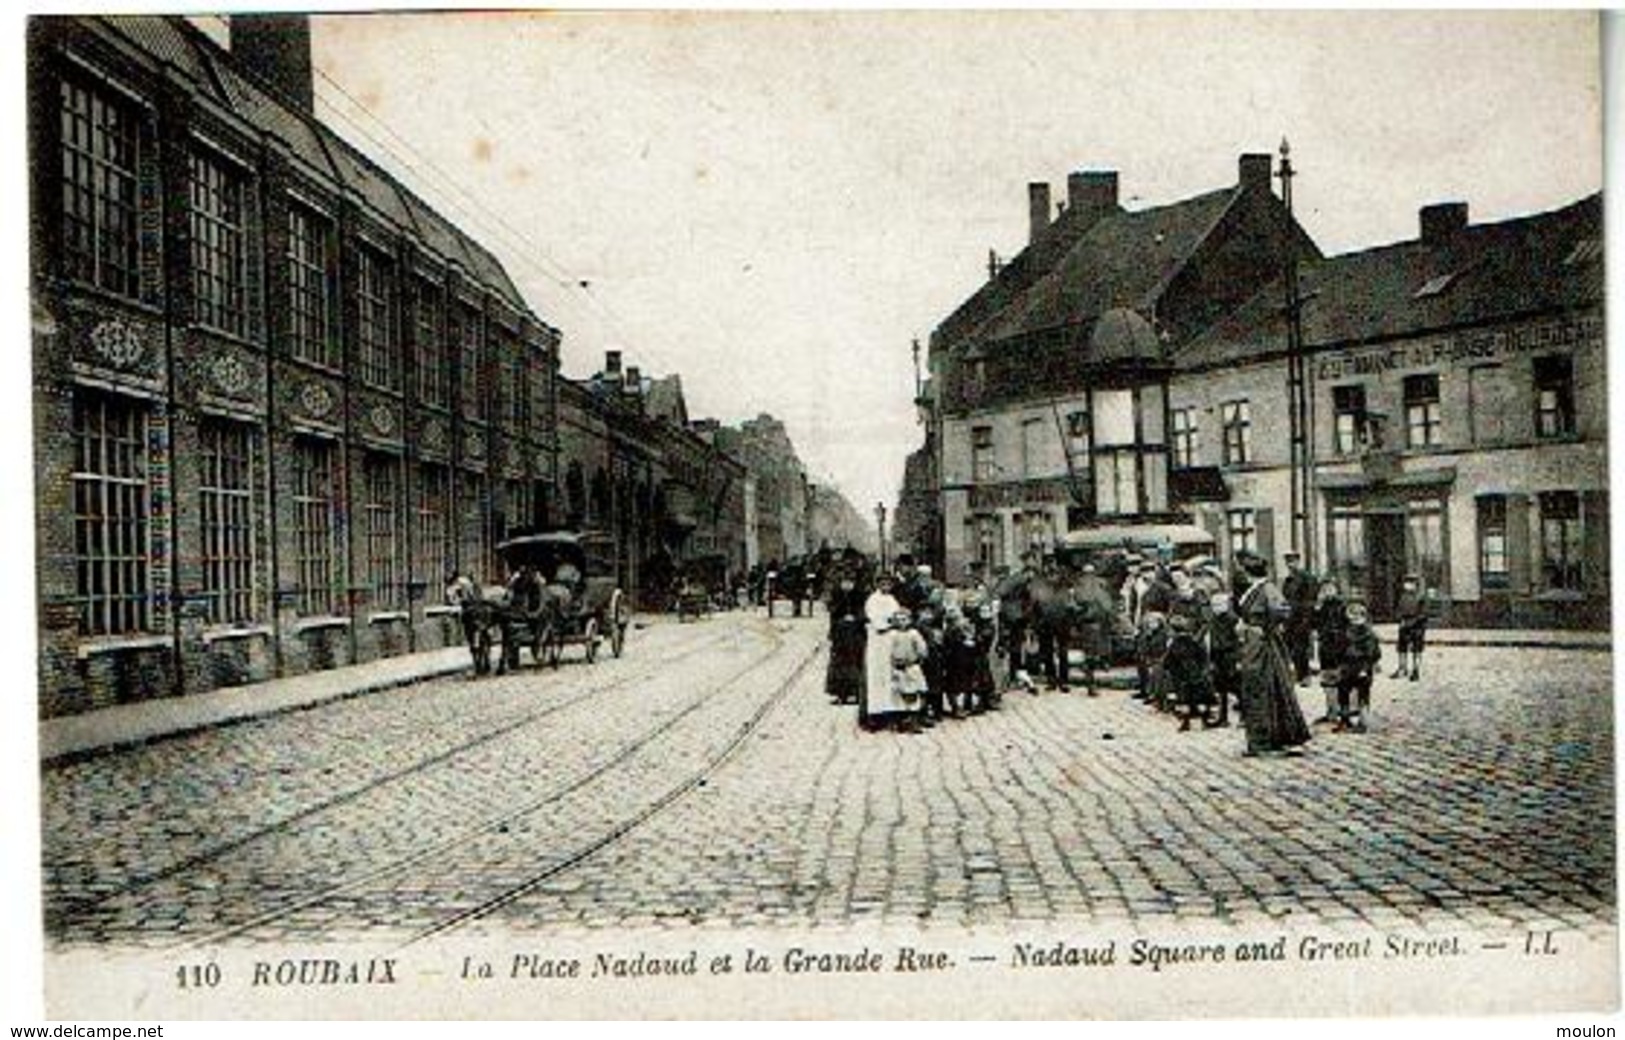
[1050, 385]
[277, 396]
[781, 490]
[1136, 371]
[634, 466]
[1459, 393]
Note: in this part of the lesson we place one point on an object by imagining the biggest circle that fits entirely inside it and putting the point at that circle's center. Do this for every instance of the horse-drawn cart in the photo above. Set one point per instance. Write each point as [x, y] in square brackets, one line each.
[560, 590]
[579, 601]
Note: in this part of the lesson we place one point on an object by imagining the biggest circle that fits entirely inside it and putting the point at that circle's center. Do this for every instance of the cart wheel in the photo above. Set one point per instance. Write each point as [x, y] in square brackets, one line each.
[619, 622]
[589, 635]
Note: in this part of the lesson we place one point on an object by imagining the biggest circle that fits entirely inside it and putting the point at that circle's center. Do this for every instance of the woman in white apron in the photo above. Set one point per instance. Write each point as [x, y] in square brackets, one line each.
[883, 705]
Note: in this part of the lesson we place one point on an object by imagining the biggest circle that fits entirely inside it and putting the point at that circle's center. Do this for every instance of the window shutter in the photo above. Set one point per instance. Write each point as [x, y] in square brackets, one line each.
[1519, 549]
[1265, 519]
[1594, 530]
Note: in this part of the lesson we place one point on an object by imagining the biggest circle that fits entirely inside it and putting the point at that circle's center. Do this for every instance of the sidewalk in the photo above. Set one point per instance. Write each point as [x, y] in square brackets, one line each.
[1548, 639]
[123, 725]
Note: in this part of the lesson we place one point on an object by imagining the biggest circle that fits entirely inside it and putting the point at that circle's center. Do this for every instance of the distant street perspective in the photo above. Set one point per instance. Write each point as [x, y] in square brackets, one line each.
[602, 490]
[707, 780]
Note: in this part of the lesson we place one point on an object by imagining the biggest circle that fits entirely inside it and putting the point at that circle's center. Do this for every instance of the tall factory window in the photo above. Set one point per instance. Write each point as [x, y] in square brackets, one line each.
[428, 344]
[226, 509]
[112, 509]
[982, 464]
[375, 297]
[475, 519]
[1185, 437]
[512, 384]
[219, 248]
[1348, 419]
[378, 507]
[100, 145]
[310, 325]
[1494, 569]
[470, 336]
[432, 548]
[1560, 545]
[1422, 420]
[1238, 432]
[517, 500]
[1554, 396]
[313, 488]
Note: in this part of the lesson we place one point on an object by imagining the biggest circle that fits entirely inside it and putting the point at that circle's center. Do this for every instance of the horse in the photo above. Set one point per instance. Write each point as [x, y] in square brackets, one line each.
[481, 617]
[1054, 608]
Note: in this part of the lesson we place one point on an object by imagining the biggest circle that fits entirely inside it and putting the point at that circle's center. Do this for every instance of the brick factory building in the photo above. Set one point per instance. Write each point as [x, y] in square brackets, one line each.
[277, 397]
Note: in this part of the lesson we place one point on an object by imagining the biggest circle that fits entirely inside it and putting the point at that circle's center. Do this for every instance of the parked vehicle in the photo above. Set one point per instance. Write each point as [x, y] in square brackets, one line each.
[562, 591]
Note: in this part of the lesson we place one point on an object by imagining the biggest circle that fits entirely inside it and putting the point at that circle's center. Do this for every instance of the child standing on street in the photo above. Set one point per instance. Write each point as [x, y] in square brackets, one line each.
[1361, 653]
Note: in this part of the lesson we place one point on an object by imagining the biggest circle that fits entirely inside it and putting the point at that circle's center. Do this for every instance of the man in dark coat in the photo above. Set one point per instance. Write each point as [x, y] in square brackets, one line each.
[1301, 591]
[1093, 609]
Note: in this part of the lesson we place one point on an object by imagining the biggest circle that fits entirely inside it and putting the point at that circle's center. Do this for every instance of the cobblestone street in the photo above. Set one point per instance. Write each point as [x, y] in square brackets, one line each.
[705, 780]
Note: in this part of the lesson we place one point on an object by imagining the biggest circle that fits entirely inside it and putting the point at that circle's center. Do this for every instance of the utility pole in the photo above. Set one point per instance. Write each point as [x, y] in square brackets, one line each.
[1298, 393]
[880, 522]
[919, 385]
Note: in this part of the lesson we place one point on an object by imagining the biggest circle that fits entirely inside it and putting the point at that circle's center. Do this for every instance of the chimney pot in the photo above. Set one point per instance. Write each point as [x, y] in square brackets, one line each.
[274, 49]
[612, 363]
[1037, 209]
[1256, 169]
[1090, 191]
[634, 379]
[1441, 220]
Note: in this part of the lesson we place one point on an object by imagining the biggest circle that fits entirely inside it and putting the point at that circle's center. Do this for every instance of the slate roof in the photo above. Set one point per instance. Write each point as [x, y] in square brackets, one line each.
[1123, 260]
[1486, 272]
[170, 40]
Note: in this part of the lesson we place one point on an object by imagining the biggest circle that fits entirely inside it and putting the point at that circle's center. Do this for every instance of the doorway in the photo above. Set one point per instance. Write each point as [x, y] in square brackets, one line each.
[1385, 547]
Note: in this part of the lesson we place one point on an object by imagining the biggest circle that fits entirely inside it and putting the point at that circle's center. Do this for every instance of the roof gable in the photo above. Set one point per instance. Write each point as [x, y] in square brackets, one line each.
[1481, 273]
[1123, 260]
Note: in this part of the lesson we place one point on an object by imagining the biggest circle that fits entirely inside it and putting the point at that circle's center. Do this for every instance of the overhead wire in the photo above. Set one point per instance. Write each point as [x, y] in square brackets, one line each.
[524, 247]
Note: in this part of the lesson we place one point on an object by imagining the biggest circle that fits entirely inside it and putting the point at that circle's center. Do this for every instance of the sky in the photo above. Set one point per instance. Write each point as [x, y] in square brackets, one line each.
[776, 204]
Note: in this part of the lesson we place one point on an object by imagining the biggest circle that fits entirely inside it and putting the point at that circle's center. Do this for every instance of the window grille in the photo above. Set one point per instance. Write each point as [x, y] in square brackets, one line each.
[313, 488]
[227, 515]
[100, 136]
[219, 269]
[112, 511]
[310, 328]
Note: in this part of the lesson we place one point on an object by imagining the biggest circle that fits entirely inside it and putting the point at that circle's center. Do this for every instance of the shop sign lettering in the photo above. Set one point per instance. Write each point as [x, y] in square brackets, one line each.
[1462, 348]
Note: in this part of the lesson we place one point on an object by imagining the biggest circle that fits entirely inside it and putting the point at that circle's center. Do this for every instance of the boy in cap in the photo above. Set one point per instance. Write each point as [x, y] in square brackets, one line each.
[1413, 626]
[1361, 652]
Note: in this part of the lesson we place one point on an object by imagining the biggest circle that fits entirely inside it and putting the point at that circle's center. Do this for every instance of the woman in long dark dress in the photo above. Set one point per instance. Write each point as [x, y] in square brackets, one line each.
[848, 639]
[1269, 702]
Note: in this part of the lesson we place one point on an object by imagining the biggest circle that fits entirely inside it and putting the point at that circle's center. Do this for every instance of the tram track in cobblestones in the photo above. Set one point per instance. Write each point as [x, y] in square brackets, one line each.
[57, 918]
[692, 782]
[500, 822]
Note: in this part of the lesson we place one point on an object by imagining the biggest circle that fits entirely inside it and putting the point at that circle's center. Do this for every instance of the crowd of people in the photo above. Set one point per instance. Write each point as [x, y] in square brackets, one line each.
[911, 652]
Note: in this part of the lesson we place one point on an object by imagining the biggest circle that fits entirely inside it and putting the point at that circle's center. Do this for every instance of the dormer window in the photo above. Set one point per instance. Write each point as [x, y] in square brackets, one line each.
[1435, 285]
